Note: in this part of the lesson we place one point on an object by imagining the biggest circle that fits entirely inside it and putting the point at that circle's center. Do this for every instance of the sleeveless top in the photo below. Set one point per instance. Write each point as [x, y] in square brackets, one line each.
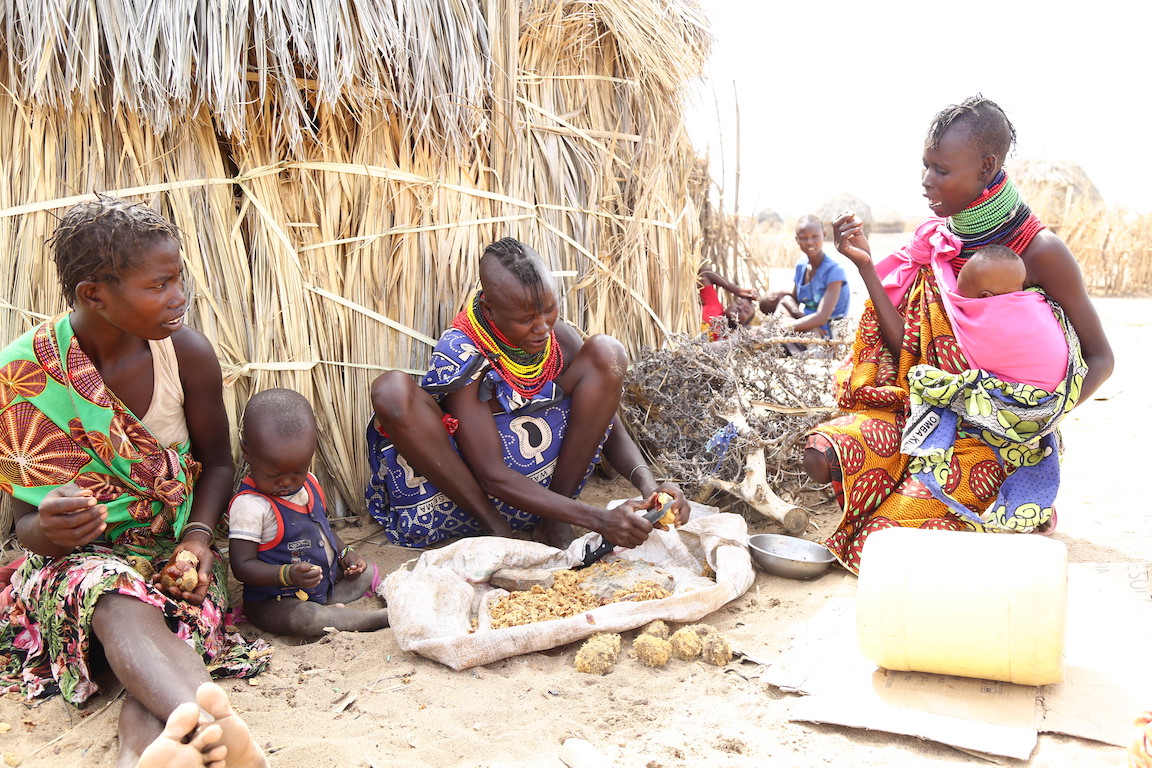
[165, 417]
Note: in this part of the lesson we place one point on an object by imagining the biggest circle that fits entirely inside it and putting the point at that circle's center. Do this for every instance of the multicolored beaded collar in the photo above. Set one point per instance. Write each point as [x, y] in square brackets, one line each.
[997, 217]
[526, 373]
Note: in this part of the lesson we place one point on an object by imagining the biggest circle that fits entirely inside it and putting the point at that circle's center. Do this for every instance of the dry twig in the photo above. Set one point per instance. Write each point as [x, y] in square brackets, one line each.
[679, 397]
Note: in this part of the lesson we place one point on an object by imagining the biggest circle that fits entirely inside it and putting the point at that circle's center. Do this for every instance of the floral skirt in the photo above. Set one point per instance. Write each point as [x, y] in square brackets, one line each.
[46, 634]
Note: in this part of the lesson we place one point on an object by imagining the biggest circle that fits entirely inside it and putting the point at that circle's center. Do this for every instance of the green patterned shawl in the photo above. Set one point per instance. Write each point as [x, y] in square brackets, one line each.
[59, 424]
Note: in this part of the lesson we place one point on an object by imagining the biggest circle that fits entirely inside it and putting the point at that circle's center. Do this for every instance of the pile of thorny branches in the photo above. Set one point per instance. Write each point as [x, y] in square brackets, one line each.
[705, 412]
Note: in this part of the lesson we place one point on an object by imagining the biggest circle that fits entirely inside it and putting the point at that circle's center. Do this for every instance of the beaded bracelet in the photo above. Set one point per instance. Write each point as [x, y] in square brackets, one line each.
[284, 574]
[196, 526]
[345, 551]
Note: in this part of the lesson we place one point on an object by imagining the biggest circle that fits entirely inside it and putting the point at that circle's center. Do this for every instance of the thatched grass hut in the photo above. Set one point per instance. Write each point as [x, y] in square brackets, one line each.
[834, 206]
[337, 169]
[1110, 242]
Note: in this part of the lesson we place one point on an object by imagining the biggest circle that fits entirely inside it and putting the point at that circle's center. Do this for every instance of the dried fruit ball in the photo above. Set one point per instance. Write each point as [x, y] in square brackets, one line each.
[669, 517]
[704, 630]
[716, 650]
[142, 565]
[686, 643]
[652, 651]
[656, 629]
[598, 654]
[611, 639]
[181, 572]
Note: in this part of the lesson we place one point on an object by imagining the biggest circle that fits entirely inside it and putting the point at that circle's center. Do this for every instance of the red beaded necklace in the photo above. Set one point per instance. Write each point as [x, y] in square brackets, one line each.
[525, 372]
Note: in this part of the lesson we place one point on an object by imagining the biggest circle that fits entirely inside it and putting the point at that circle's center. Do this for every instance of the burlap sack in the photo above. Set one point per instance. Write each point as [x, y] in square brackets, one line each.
[431, 606]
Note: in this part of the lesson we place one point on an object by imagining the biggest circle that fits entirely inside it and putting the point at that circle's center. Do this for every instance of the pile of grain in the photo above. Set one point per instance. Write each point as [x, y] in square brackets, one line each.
[566, 597]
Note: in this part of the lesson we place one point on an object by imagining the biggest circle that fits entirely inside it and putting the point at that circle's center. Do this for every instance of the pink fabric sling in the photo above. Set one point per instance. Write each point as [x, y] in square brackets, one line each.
[1013, 336]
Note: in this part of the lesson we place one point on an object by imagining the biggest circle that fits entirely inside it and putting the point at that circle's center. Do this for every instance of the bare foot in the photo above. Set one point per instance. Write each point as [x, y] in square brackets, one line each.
[243, 752]
[1048, 527]
[554, 533]
[170, 750]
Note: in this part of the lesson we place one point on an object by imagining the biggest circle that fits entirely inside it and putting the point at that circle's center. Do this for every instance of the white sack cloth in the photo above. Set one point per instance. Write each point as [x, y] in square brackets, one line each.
[431, 606]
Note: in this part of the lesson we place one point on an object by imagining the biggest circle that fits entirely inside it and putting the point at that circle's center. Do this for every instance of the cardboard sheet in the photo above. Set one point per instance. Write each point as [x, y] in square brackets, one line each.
[1108, 680]
[1106, 685]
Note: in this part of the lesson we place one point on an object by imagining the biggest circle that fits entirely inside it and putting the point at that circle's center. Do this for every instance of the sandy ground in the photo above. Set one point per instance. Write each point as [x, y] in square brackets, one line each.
[408, 710]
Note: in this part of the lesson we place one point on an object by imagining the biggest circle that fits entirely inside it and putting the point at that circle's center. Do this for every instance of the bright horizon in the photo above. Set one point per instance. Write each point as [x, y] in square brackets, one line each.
[836, 96]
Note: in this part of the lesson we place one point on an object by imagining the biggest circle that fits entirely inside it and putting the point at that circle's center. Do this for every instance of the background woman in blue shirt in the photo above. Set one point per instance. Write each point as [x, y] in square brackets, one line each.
[820, 286]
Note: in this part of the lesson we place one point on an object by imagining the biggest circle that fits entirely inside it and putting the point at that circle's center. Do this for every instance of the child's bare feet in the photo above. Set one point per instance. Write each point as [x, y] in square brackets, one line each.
[243, 752]
[170, 750]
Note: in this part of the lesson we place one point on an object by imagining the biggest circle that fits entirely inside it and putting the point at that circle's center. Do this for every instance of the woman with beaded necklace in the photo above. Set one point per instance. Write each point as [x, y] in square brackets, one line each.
[506, 426]
[908, 323]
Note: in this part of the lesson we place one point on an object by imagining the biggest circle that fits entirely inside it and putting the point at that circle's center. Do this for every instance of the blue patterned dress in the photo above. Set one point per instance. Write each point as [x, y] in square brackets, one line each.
[413, 511]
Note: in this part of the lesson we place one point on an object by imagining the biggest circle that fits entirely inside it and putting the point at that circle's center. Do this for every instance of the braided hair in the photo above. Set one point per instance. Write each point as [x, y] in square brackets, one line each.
[101, 239]
[521, 261]
[991, 129]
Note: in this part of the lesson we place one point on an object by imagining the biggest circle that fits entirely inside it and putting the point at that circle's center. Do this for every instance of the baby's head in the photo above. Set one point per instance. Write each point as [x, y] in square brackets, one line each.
[103, 239]
[278, 440]
[991, 271]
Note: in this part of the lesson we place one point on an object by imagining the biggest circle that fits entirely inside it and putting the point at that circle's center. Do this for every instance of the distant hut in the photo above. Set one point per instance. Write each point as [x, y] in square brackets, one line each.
[835, 206]
[1058, 191]
[887, 220]
[769, 219]
[337, 168]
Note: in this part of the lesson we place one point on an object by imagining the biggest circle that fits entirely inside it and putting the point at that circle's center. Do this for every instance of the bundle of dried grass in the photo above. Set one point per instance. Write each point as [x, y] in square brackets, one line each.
[338, 171]
[1112, 245]
[744, 249]
[162, 62]
[728, 418]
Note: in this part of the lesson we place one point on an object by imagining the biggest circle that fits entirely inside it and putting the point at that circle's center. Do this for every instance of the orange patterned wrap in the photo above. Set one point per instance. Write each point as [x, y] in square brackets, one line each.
[878, 491]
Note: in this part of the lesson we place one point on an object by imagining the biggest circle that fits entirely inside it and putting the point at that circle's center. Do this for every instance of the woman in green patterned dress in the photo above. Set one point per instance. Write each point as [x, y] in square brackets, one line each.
[101, 412]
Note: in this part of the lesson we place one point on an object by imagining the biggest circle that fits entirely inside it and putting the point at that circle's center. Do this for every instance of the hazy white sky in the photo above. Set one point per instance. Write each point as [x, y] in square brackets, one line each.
[835, 96]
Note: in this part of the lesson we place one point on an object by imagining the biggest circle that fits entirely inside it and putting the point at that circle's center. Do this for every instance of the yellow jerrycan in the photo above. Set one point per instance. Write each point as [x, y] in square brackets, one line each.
[983, 605]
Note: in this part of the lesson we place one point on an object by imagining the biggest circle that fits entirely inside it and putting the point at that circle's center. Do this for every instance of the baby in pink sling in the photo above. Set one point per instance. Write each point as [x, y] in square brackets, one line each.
[992, 271]
[1007, 331]
[1001, 328]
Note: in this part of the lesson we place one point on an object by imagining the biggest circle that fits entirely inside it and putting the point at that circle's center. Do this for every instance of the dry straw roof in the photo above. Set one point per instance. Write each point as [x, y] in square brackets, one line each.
[425, 61]
[338, 167]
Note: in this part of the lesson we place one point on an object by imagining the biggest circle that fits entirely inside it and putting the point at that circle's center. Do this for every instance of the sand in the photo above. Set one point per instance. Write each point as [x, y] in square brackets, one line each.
[358, 700]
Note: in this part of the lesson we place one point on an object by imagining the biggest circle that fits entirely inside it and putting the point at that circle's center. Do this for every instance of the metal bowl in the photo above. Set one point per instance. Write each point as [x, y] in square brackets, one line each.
[789, 556]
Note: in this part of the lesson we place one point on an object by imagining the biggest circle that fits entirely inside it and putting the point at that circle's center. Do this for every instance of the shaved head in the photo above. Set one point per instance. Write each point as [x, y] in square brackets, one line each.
[809, 220]
[991, 271]
[278, 416]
